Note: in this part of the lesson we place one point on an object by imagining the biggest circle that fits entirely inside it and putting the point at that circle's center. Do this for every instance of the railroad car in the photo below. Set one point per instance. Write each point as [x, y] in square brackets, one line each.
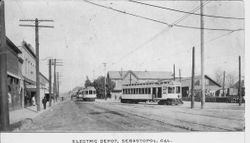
[87, 94]
[164, 93]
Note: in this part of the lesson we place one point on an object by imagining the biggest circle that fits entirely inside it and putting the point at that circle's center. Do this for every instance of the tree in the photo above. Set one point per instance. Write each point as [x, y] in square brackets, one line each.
[230, 79]
[87, 82]
[219, 76]
[99, 86]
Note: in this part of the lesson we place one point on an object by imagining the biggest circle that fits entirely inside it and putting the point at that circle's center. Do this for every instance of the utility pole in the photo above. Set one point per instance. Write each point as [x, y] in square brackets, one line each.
[174, 71]
[4, 107]
[57, 73]
[50, 82]
[180, 74]
[223, 84]
[192, 81]
[202, 56]
[240, 93]
[37, 26]
[55, 95]
[56, 62]
[105, 94]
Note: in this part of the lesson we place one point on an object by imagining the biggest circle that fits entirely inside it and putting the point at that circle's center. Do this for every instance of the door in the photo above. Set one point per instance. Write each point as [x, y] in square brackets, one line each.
[153, 92]
[159, 94]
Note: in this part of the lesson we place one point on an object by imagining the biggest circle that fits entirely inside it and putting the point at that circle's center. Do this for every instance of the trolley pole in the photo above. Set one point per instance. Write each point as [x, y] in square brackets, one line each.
[192, 81]
[240, 93]
[202, 56]
[4, 107]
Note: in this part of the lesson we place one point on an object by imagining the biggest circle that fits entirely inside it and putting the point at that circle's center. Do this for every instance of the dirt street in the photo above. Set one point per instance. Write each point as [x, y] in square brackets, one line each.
[77, 116]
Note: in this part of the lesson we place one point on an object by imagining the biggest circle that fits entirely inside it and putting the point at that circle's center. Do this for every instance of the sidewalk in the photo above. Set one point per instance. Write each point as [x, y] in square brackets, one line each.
[25, 115]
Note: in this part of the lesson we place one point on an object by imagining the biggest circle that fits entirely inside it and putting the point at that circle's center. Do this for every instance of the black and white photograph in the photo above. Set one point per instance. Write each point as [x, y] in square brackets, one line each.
[123, 66]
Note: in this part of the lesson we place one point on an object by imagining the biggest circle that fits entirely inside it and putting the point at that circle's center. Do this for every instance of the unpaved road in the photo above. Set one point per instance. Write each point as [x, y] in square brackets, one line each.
[77, 116]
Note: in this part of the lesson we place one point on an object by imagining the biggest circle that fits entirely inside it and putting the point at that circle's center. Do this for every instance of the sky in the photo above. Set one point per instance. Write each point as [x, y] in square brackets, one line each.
[85, 36]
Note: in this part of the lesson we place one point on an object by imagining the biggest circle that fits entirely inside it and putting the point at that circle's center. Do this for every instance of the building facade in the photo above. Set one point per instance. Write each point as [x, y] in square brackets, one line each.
[14, 76]
[211, 87]
[29, 73]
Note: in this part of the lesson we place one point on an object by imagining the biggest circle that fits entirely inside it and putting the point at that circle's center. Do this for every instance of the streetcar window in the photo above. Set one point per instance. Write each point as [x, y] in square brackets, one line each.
[178, 89]
[171, 89]
[133, 91]
[149, 90]
[90, 92]
[136, 91]
[139, 90]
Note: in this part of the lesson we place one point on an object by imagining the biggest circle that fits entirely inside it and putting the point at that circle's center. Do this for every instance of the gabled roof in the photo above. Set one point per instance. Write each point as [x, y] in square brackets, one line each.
[116, 74]
[236, 85]
[151, 75]
[186, 81]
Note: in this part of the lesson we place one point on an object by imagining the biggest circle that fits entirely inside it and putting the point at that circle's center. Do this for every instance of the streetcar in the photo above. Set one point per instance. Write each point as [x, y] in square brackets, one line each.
[164, 93]
[87, 94]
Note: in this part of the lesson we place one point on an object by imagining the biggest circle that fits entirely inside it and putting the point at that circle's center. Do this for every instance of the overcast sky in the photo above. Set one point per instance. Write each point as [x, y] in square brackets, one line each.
[85, 36]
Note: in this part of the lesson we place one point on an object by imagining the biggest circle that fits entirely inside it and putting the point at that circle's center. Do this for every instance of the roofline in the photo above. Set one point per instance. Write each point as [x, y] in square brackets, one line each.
[13, 46]
[28, 48]
[44, 76]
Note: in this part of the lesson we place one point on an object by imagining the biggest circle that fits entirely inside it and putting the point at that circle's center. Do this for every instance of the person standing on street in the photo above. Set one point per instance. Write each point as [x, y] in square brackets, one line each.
[44, 102]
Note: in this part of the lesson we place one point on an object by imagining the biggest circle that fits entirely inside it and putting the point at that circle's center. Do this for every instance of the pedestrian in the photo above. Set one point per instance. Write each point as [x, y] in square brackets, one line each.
[44, 101]
[33, 101]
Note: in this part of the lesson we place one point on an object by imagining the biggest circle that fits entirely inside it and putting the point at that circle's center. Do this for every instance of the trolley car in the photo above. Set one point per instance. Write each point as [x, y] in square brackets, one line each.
[164, 93]
[87, 94]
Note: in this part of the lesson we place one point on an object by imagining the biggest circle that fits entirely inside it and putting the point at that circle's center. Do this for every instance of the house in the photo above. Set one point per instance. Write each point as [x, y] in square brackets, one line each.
[130, 77]
[210, 86]
[14, 76]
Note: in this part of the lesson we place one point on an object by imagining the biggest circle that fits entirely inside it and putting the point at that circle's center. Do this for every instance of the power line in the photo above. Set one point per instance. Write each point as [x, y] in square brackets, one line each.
[176, 10]
[158, 34]
[187, 15]
[158, 21]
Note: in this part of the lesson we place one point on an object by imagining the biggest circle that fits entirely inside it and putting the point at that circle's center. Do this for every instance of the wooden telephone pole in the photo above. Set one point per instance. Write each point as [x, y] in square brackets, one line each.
[4, 107]
[37, 26]
[192, 81]
[105, 93]
[240, 93]
[174, 71]
[223, 84]
[56, 62]
[50, 82]
[202, 56]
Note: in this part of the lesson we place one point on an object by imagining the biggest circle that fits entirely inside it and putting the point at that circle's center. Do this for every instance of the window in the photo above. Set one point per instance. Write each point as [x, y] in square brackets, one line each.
[136, 91]
[140, 92]
[178, 89]
[171, 89]
[90, 92]
[143, 90]
[86, 92]
[149, 90]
